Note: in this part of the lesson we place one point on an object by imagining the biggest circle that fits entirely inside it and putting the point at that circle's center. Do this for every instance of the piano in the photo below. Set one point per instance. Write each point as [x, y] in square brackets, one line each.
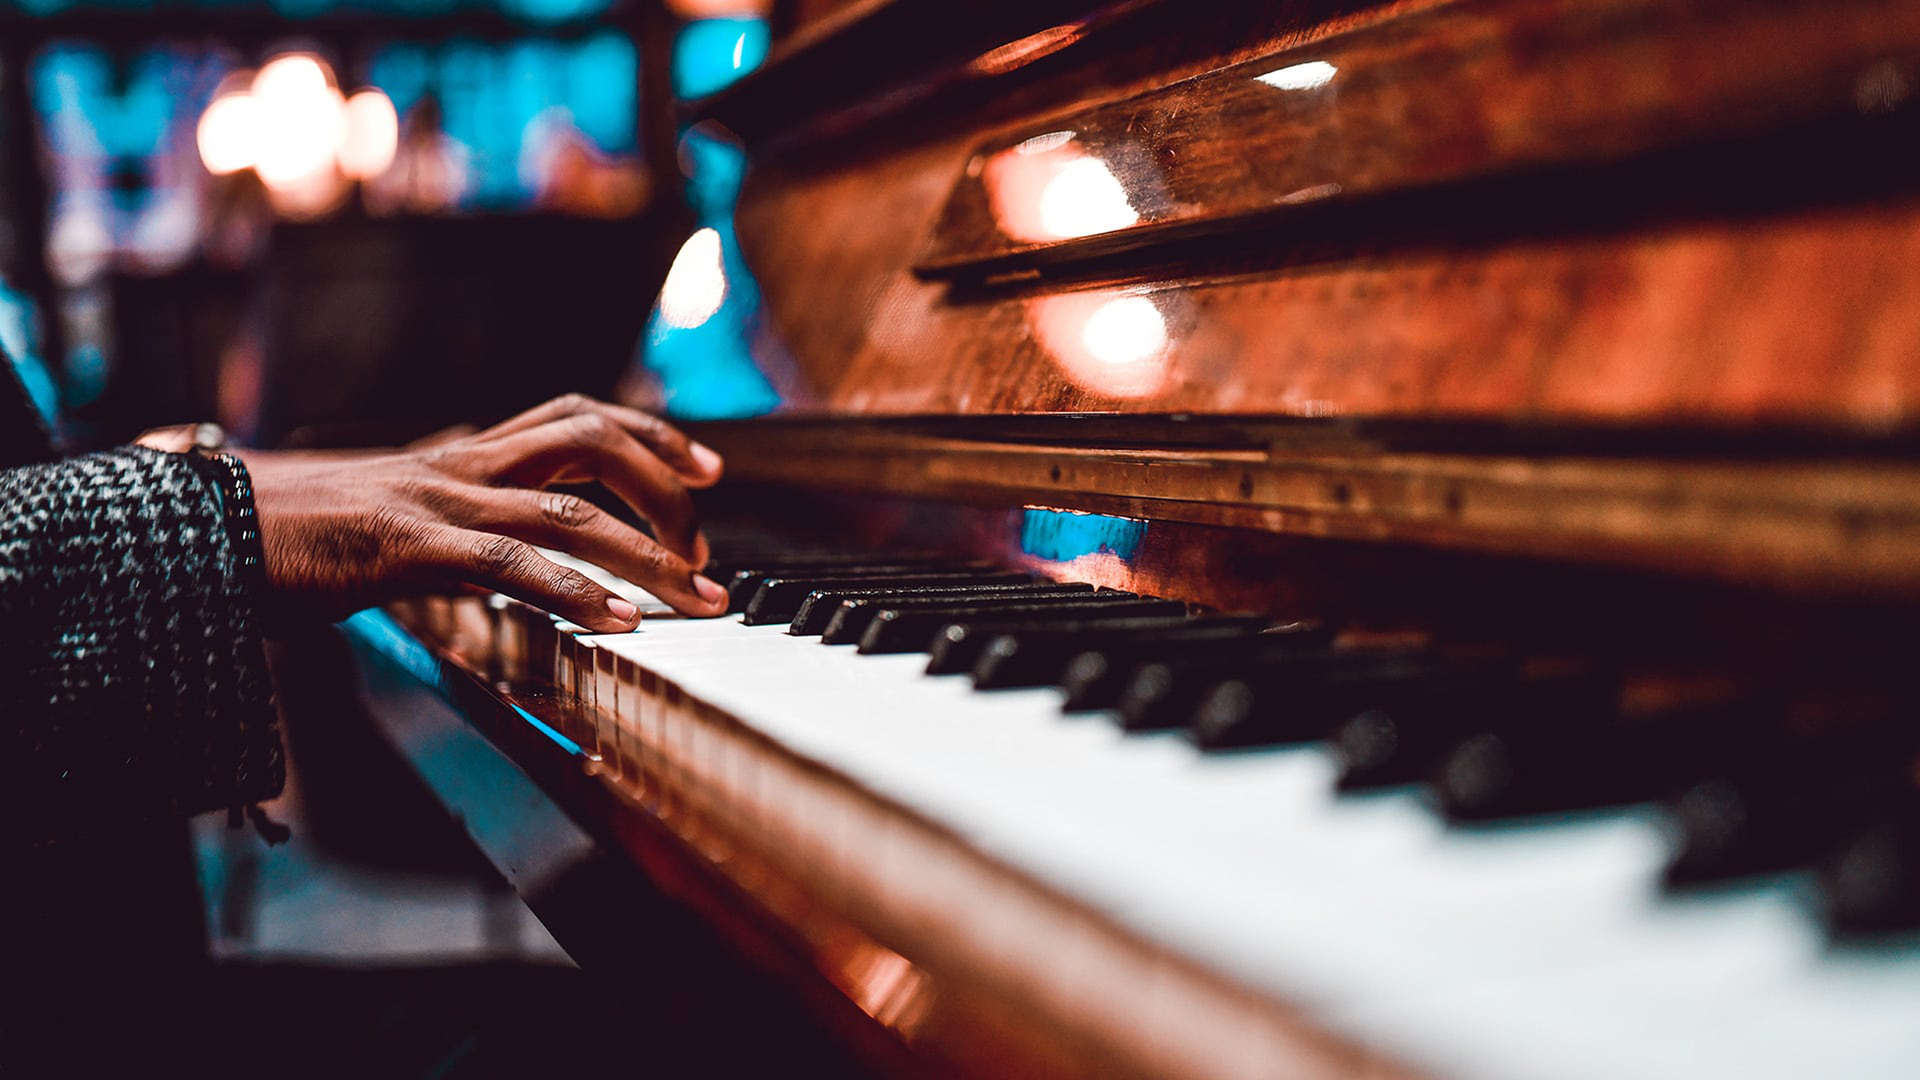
[1301, 539]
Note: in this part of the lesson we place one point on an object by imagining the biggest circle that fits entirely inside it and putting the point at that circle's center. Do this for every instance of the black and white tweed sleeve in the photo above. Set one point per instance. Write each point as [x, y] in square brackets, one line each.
[133, 679]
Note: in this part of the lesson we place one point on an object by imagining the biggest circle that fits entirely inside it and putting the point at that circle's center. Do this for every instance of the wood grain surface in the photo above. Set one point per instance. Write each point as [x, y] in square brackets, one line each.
[1445, 95]
[1732, 281]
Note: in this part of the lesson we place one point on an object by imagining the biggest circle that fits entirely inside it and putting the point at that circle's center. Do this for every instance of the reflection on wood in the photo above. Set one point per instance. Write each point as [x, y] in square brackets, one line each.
[1714, 322]
[1462, 91]
[1720, 286]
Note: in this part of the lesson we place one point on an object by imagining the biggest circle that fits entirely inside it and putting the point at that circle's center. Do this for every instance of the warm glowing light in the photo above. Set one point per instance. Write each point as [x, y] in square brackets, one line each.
[302, 120]
[1083, 198]
[1116, 345]
[372, 135]
[696, 284]
[293, 76]
[1040, 144]
[1125, 332]
[227, 132]
[719, 9]
[1025, 51]
[1047, 187]
[1311, 75]
[309, 197]
[1311, 194]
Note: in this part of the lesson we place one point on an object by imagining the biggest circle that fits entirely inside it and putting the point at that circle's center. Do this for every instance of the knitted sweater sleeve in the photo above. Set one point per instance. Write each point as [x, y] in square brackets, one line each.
[133, 680]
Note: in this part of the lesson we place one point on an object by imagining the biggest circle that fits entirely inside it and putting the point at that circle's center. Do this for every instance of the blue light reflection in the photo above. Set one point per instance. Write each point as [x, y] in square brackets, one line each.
[711, 53]
[20, 341]
[1065, 535]
[493, 95]
[532, 11]
[700, 337]
[377, 629]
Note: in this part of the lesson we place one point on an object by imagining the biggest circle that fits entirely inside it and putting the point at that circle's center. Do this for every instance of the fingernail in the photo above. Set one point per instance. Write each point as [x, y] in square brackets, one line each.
[622, 610]
[709, 589]
[704, 457]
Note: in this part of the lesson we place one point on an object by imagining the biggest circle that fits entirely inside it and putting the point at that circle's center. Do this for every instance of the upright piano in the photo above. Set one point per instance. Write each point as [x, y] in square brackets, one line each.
[1303, 538]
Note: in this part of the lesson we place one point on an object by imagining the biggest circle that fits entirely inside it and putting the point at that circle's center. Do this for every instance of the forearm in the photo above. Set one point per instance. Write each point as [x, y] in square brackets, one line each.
[133, 667]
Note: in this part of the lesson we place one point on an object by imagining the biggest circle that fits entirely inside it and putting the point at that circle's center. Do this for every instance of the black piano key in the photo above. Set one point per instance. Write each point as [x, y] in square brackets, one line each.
[854, 614]
[1163, 693]
[1397, 744]
[724, 568]
[1785, 800]
[742, 582]
[745, 584]
[1041, 658]
[959, 645]
[817, 611]
[1304, 699]
[778, 599]
[1400, 742]
[1000, 653]
[1096, 678]
[1870, 883]
[1550, 764]
[897, 630]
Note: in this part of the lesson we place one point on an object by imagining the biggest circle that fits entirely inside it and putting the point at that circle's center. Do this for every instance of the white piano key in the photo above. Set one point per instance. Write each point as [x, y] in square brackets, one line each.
[648, 603]
[1540, 950]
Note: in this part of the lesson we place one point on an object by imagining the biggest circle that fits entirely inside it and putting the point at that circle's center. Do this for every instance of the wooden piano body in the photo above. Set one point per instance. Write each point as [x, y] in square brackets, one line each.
[1593, 322]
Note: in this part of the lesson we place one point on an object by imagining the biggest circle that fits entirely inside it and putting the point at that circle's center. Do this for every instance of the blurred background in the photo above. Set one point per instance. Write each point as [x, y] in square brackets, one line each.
[351, 222]
[355, 222]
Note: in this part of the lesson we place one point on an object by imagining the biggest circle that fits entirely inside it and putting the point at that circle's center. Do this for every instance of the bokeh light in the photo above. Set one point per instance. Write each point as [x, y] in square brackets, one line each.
[302, 120]
[1112, 343]
[294, 128]
[227, 133]
[372, 135]
[696, 284]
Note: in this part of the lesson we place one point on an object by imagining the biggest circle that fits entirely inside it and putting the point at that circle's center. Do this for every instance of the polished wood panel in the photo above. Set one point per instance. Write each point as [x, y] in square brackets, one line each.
[1598, 302]
[1722, 284]
[1443, 95]
[1808, 318]
[952, 68]
[791, 17]
[854, 53]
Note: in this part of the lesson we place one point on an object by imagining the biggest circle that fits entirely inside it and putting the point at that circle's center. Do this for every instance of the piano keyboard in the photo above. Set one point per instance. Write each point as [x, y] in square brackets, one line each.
[1236, 793]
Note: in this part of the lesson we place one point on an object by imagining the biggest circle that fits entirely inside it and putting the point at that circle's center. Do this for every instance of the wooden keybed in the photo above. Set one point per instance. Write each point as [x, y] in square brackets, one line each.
[1590, 320]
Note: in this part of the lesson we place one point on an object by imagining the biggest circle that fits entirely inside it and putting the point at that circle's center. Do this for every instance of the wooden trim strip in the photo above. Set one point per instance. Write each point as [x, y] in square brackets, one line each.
[1824, 525]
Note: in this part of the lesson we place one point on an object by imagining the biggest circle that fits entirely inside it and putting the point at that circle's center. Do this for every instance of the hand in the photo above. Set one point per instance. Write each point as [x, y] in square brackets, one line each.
[341, 532]
[177, 438]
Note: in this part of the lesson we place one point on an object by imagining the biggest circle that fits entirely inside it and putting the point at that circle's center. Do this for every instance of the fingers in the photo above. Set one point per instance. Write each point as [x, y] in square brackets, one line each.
[503, 564]
[177, 439]
[569, 523]
[696, 465]
[588, 446]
